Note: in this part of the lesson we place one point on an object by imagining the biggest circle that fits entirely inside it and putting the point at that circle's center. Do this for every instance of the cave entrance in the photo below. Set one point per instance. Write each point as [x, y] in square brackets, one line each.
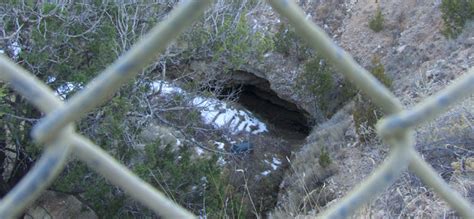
[282, 117]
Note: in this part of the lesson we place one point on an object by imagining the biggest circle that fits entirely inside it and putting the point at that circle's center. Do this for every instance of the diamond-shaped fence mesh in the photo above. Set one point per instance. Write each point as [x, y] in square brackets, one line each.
[56, 130]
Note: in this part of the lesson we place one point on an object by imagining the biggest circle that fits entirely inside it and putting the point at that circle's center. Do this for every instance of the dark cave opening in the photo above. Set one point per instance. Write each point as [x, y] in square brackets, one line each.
[283, 117]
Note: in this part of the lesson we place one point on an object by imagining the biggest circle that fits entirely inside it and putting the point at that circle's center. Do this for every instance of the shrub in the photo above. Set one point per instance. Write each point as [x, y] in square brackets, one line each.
[287, 42]
[61, 49]
[376, 23]
[455, 15]
[189, 181]
[231, 41]
[324, 158]
[365, 113]
[283, 39]
[318, 81]
[238, 42]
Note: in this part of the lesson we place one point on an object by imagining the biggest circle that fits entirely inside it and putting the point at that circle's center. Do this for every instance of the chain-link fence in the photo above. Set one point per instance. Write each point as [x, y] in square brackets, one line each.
[56, 130]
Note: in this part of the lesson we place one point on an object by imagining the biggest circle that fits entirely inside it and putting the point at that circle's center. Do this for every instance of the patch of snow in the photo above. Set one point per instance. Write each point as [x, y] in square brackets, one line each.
[276, 161]
[199, 151]
[215, 112]
[66, 88]
[15, 48]
[166, 88]
[2, 51]
[221, 162]
[178, 142]
[220, 115]
[274, 164]
[274, 167]
[50, 79]
[266, 172]
[220, 145]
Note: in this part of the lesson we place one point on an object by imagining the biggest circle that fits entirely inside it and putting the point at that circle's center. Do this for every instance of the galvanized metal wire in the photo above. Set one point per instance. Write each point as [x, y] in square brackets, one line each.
[57, 132]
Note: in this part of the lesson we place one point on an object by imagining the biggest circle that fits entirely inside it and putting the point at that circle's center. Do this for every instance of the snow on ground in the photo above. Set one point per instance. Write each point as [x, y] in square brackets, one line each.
[275, 163]
[199, 151]
[66, 88]
[220, 145]
[15, 48]
[221, 162]
[266, 172]
[220, 115]
[50, 79]
[216, 112]
[166, 88]
[274, 167]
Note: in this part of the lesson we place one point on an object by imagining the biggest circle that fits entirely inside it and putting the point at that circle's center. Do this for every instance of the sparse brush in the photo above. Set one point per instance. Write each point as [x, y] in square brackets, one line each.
[455, 15]
[376, 24]
[318, 81]
[287, 42]
[365, 113]
[324, 158]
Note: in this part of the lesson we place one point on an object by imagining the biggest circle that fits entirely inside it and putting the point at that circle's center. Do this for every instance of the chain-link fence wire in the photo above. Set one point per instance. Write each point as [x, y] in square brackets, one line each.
[57, 132]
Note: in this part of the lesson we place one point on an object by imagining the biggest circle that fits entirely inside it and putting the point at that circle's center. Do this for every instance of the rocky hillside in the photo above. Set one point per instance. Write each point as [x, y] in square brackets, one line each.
[420, 61]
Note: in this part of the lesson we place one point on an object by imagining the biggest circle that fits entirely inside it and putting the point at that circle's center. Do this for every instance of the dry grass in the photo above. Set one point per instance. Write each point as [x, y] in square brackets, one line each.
[304, 187]
[308, 188]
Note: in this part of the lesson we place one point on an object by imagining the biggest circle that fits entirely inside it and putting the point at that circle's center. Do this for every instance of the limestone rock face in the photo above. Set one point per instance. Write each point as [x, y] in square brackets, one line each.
[57, 205]
[165, 135]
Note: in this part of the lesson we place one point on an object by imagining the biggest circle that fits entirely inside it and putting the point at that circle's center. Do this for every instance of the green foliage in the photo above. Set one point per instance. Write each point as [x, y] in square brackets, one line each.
[319, 76]
[110, 131]
[63, 49]
[287, 42]
[376, 23]
[455, 15]
[188, 180]
[231, 41]
[263, 44]
[324, 158]
[378, 70]
[59, 49]
[237, 42]
[365, 113]
[48, 7]
[317, 80]
[105, 199]
[54, 52]
[3, 94]
[283, 40]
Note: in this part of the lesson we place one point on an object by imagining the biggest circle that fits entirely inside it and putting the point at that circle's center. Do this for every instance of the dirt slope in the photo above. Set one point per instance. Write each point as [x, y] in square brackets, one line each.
[421, 61]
